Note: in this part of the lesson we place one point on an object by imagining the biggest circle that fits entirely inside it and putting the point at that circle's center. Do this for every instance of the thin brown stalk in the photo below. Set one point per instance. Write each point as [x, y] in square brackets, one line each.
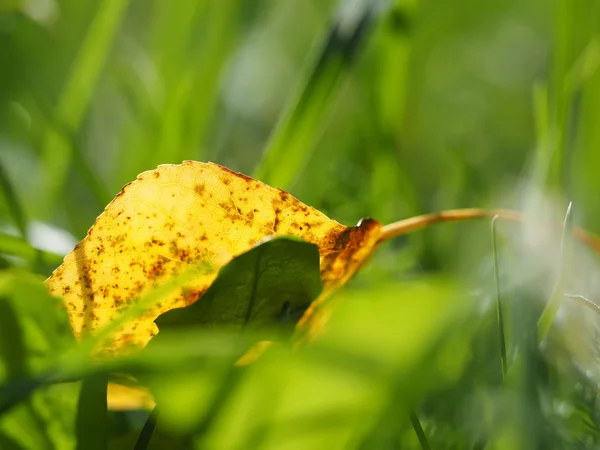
[456, 215]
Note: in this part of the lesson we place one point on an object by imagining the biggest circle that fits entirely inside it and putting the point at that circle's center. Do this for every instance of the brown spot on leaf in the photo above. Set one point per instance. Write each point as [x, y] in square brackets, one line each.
[284, 196]
[157, 268]
[225, 170]
[191, 295]
[199, 188]
[342, 239]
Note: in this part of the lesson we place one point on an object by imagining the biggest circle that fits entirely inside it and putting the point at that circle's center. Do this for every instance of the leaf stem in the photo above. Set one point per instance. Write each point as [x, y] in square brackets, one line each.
[416, 223]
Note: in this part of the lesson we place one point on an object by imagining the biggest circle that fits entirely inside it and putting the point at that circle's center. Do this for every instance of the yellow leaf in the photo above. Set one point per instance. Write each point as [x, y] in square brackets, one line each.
[182, 215]
[123, 398]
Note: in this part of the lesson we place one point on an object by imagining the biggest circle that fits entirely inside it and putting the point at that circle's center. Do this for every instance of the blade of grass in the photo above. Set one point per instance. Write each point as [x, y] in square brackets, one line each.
[574, 65]
[14, 206]
[419, 430]
[146, 434]
[16, 392]
[77, 92]
[501, 337]
[564, 17]
[549, 313]
[96, 186]
[304, 119]
[191, 108]
[16, 246]
[585, 302]
[223, 32]
[92, 424]
[173, 31]
[229, 383]
[541, 117]
[585, 67]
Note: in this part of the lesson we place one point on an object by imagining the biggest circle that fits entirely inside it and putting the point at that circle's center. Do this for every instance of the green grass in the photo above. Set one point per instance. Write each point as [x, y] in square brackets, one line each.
[447, 338]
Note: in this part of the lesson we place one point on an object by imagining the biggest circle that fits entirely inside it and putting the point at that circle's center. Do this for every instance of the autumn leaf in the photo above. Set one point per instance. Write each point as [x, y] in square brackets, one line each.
[179, 216]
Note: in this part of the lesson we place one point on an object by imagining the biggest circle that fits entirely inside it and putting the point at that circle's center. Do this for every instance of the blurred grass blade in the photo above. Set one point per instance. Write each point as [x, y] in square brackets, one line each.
[14, 206]
[95, 185]
[146, 434]
[92, 429]
[222, 395]
[585, 302]
[77, 92]
[584, 67]
[541, 116]
[564, 19]
[222, 30]
[419, 430]
[189, 106]
[15, 246]
[89, 175]
[549, 313]
[12, 347]
[18, 391]
[574, 65]
[501, 337]
[301, 125]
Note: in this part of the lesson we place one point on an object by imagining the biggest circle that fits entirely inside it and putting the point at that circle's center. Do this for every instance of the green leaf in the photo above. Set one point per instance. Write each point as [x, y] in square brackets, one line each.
[266, 286]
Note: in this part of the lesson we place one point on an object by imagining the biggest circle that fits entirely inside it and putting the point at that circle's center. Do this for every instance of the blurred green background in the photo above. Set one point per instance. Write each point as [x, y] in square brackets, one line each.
[387, 109]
